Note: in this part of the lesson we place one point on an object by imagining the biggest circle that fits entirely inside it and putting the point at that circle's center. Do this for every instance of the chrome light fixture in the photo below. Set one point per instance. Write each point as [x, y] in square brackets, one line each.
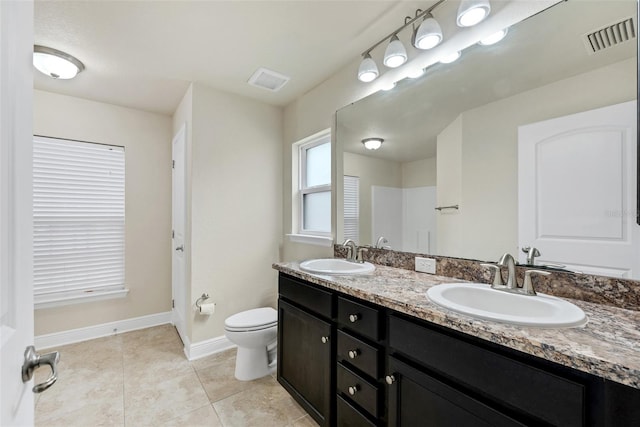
[428, 35]
[55, 63]
[395, 55]
[372, 143]
[472, 12]
[368, 70]
[494, 38]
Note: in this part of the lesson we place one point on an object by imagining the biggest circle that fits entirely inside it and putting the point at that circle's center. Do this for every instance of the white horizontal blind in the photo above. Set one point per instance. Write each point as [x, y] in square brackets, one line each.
[78, 212]
[351, 207]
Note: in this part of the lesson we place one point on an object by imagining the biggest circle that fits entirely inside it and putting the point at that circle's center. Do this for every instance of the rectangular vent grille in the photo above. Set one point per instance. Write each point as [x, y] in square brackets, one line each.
[268, 79]
[610, 36]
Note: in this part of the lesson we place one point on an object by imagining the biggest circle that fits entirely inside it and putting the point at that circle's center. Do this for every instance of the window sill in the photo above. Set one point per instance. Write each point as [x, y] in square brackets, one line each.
[51, 302]
[325, 241]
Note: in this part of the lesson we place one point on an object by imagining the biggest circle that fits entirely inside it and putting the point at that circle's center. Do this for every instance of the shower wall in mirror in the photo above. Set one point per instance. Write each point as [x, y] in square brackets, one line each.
[547, 98]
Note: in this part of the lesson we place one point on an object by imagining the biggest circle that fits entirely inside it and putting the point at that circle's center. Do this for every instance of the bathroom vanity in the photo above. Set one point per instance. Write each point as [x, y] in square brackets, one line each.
[374, 351]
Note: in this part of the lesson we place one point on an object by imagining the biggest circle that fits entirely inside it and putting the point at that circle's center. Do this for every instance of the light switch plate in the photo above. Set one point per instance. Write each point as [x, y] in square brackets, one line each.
[426, 265]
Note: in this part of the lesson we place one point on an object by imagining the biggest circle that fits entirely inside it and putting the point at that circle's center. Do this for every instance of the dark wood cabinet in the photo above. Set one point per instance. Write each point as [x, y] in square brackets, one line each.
[352, 363]
[305, 359]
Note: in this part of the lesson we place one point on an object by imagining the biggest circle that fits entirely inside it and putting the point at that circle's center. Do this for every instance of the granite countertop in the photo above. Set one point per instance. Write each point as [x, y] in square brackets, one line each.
[607, 346]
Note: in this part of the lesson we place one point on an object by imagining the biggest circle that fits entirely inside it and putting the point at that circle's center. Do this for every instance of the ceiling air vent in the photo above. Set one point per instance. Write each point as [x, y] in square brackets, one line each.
[267, 79]
[610, 36]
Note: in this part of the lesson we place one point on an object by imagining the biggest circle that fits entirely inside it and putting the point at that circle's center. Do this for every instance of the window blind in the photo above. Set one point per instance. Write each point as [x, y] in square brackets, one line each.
[351, 207]
[78, 213]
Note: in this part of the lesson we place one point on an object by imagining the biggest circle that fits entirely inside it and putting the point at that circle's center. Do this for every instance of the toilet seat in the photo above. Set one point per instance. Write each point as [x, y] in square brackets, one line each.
[252, 320]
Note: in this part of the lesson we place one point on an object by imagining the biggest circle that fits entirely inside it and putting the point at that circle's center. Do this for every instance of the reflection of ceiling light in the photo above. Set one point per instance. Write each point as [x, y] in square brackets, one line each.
[428, 35]
[415, 73]
[372, 143]
[368, 70]
[389, 86]
[448, 59]
[55, 63]
[472, 12]
[395, 55]
[494, 38]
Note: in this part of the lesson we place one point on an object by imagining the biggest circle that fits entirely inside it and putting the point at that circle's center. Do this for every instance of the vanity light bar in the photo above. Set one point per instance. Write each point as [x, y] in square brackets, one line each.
[426, 36]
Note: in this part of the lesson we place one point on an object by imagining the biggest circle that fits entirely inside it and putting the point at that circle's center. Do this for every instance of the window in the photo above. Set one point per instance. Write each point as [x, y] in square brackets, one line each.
[351, 208]
[313, 208]
[78, 221]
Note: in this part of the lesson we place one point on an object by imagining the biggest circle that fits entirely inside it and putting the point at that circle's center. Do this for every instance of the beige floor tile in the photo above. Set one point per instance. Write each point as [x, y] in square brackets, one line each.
[150, 402]
[305, 421]
[214, 359]
[266, 404]
[100, 412]
[218, 378]
[160, 358]
[201, 417]
[159, 336]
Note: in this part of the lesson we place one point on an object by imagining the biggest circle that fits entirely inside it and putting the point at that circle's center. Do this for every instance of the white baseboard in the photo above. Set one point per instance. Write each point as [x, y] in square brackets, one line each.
[205, 348]
[97, 331]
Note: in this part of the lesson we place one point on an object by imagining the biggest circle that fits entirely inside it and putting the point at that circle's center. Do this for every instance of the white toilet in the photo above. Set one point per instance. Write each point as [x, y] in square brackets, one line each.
[255, 334]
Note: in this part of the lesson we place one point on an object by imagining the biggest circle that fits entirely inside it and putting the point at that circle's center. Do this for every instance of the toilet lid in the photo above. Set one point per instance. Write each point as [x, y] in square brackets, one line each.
[265, 316]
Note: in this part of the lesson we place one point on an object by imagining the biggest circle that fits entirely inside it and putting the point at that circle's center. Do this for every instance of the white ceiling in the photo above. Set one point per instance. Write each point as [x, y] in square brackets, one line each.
[143, 54]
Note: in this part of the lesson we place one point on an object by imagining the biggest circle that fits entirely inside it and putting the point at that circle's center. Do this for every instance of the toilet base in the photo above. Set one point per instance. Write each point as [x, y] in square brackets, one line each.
[252, 363]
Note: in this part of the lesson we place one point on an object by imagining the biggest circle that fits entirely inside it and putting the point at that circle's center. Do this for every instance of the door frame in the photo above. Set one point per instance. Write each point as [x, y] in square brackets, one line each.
[178, 311]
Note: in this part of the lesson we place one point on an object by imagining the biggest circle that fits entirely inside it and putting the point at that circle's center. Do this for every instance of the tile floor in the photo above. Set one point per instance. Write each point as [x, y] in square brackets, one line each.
[142, 378]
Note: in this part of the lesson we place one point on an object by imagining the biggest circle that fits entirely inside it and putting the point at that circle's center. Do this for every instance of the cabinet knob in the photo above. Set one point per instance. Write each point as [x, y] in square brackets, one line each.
[324, 340]
[353, 318]
[353, 389]
[353, 353]
[390, 379]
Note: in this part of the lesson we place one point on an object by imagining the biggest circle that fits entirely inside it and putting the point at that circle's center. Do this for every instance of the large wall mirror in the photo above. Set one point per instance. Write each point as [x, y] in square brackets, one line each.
[530, 142]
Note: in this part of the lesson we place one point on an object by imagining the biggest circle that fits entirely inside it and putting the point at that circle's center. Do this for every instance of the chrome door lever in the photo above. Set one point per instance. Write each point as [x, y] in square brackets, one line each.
[32, 361]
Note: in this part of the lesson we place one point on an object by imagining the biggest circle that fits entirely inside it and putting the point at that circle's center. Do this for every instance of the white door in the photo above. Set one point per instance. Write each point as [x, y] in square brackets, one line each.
[178, 200]
[16, 294]
[577, 191]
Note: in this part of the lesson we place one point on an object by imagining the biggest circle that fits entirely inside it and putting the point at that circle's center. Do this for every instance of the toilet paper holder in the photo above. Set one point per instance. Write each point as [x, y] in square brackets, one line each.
[202, 299]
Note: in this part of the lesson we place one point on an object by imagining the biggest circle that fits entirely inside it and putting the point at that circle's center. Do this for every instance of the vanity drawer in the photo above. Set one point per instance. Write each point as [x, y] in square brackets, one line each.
[359, 318]
[358, 389]
[348, 416]
[504, 380]
[359, 354]
[298, 291]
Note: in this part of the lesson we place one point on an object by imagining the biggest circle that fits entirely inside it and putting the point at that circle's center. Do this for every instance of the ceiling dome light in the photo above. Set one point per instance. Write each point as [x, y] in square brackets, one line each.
[395, 55]
[494, 38]
[428, 35]
[472, 12]
[55, 63]
[368, 70]
[372, 143]
[448, 59]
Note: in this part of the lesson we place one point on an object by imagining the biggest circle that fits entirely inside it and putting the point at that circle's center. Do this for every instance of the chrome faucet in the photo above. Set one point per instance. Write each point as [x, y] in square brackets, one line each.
[352, 250]
[508, 261]
[380, 243]
[532, 253]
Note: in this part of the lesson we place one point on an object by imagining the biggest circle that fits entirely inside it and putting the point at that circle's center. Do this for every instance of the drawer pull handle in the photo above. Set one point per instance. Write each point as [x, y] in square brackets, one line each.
[390, 379]
[353, 389]
[354, 353]
[353, 318]
[324, 340]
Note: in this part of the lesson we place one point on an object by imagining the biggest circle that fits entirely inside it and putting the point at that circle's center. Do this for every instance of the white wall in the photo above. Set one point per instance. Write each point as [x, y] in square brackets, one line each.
[147, 141]
[372, 172]
[419, 173]
[235, 200]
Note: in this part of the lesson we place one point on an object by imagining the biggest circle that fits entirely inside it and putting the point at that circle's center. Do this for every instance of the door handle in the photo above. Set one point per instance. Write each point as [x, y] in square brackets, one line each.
[32, 361]
[180, 248]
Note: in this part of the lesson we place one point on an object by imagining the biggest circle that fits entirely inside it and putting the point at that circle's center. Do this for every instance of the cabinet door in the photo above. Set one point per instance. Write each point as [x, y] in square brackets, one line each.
[305, 345]
[417, 399]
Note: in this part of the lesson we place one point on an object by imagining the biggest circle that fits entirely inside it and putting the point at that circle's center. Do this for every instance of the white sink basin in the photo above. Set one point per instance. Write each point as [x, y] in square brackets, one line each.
[479, 300]
[336, 266]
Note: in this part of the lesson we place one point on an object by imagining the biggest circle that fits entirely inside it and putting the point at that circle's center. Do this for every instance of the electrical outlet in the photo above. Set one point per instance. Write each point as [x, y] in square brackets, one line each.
[426, 265]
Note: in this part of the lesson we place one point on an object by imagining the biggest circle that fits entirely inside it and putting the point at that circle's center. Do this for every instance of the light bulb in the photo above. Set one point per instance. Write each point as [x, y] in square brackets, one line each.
[494, 38]
[428, 35]
[448, 59]
[395, 55]
[472, 12]
[368, 70]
